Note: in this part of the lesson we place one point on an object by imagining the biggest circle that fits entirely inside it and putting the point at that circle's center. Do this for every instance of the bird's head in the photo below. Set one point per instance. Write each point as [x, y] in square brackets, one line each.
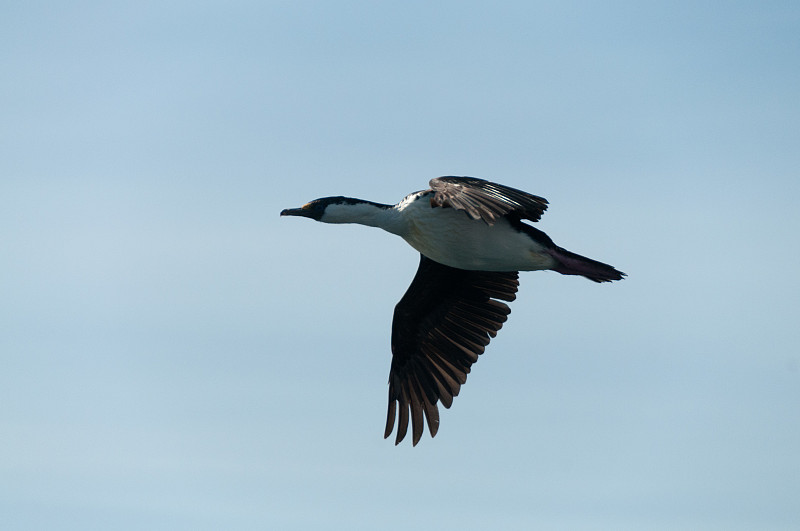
[338, 209]
[314, 209]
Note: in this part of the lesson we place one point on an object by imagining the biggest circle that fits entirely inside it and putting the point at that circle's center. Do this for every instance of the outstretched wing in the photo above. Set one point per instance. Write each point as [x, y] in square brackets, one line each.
[486, 200]
[441, 325]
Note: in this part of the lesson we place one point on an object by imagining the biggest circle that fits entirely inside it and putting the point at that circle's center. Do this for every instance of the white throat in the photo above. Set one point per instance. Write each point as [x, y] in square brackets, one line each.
[365, 213]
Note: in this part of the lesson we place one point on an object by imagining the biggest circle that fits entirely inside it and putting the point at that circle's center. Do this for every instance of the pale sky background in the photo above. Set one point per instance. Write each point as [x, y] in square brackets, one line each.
[174, 355]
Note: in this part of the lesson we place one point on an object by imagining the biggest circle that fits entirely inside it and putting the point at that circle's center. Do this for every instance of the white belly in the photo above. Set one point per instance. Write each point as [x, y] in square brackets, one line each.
[450, 237]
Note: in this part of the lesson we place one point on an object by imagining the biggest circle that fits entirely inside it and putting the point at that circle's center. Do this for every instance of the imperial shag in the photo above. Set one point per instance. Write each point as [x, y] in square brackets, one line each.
[472, 242]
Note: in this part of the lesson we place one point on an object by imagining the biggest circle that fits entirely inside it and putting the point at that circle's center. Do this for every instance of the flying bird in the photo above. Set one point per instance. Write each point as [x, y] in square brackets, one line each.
[473, 240]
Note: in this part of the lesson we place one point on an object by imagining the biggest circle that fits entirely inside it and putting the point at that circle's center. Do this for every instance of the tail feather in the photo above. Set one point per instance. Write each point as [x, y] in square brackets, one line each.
[570, 263]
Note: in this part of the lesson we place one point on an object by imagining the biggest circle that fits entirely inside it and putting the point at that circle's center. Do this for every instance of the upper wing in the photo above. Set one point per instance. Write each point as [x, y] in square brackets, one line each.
[440, 326]
[486, 200]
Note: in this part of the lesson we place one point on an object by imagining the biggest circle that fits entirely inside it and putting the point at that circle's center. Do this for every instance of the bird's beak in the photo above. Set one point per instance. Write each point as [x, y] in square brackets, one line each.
[305, 212]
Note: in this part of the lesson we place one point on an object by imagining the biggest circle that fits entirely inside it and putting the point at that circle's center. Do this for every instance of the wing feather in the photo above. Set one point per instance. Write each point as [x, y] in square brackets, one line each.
[441, 325]
[485, 200]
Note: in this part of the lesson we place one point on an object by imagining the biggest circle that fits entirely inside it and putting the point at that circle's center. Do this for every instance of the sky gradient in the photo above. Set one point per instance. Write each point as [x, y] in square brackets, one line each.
[174, 355]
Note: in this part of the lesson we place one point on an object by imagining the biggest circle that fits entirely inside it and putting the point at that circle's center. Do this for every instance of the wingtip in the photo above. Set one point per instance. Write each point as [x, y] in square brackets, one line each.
[390, 415]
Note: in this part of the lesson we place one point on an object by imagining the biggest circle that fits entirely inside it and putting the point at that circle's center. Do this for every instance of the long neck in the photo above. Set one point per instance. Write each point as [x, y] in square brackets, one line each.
[367, 213]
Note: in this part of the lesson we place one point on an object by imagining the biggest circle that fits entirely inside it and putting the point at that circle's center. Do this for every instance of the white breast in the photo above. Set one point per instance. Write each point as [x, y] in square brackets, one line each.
[451, 237]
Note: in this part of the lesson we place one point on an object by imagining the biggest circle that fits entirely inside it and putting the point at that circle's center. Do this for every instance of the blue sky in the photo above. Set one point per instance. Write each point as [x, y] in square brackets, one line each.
[176, 356]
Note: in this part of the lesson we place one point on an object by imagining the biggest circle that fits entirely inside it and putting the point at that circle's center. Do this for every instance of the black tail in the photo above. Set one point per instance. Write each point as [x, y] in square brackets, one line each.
[570, 263]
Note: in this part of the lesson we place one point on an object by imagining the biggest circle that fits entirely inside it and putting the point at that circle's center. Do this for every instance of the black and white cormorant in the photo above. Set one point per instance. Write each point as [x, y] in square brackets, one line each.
[472, 242]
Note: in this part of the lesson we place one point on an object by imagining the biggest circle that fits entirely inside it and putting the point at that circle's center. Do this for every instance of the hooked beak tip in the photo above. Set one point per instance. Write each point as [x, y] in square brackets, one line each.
[295, 212]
